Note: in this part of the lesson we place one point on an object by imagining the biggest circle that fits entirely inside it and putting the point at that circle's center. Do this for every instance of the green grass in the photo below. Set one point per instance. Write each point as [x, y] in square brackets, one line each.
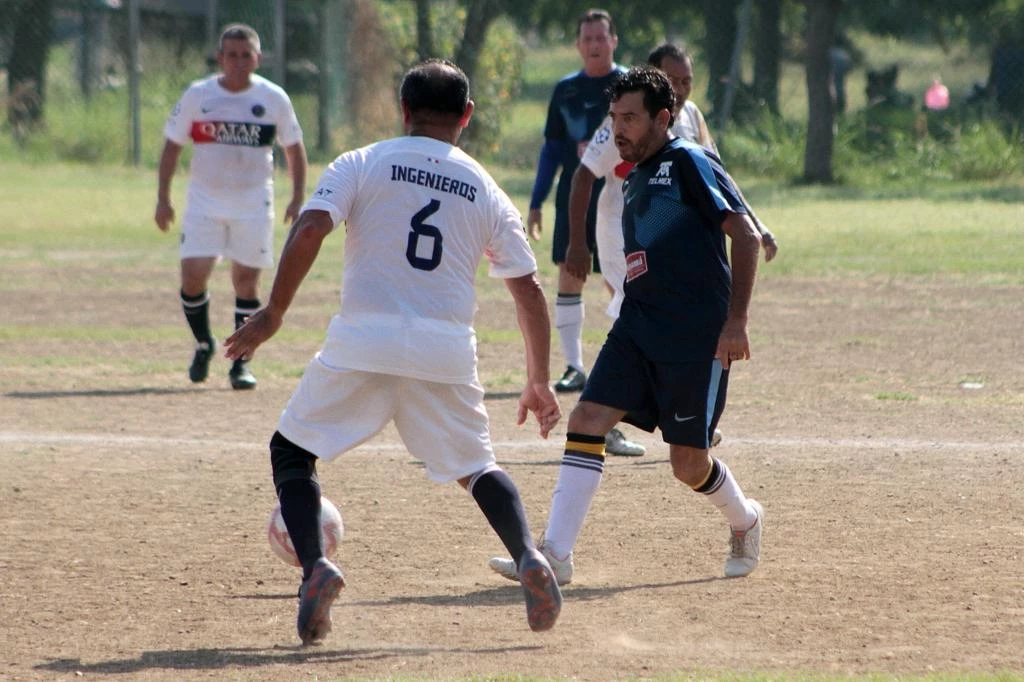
[972, 231]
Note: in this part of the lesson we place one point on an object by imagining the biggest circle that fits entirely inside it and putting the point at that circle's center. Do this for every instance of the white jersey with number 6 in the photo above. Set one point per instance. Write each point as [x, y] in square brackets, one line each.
[420, 214]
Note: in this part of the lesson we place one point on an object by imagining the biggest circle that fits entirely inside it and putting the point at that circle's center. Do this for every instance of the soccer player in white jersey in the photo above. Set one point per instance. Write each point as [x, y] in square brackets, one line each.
[419, 216]
[233, 120]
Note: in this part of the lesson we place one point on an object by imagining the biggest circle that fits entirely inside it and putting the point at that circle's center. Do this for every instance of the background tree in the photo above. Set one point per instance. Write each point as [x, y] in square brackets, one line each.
[424, 30]
[26, 69]
[821, 33]
[768, 53]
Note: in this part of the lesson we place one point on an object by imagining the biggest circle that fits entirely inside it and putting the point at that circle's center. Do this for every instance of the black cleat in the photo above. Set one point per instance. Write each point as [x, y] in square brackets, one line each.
[315, 598]
[200, 367]
[572, 381]
[242, 378]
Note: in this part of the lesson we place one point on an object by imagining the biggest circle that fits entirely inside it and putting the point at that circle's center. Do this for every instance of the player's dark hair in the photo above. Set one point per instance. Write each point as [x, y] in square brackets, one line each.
[239, 32]
[436, 85]
[657, 89]
[592, 15]
[659, 53]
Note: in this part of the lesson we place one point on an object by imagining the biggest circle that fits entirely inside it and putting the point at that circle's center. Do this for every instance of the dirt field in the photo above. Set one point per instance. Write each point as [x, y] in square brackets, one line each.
[133, 507]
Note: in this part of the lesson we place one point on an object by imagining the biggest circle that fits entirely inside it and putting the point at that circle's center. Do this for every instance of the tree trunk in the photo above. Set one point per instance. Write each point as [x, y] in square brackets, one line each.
[480, 14]
[719, 36]
[424, 30]
[768, 53]
[26, 69]
[821, 29]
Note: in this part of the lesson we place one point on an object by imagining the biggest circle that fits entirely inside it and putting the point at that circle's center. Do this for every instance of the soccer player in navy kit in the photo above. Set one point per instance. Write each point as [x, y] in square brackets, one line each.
[578, 105]
[683, 321]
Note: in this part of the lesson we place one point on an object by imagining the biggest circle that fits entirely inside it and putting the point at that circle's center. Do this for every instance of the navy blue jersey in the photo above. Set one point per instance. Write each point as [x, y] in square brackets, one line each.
[578, 105]
[678, 280]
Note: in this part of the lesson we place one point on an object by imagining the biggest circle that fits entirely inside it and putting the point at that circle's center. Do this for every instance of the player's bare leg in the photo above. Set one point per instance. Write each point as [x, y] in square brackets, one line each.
[195, 302]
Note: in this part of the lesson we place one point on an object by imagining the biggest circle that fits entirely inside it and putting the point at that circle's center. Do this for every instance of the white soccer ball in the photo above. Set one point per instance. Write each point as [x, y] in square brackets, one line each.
[331, 531]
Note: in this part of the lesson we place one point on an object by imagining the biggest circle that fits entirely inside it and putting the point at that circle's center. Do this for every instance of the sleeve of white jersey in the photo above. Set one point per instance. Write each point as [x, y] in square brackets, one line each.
[336, 190]
[508, 253]
[602, 156]
[289, 131]
[178, 128]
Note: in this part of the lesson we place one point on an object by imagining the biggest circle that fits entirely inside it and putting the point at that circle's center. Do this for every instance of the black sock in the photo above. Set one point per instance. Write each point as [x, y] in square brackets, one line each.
[499, 500]
[197, 313]
[300, 509]
[244, 307]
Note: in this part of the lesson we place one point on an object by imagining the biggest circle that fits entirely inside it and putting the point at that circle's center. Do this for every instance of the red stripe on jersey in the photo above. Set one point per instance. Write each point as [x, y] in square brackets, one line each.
[229, 132]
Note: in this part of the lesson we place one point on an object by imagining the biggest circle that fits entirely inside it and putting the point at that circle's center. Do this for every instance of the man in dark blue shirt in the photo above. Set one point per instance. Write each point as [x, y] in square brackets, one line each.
[683, 322]
[578, 105]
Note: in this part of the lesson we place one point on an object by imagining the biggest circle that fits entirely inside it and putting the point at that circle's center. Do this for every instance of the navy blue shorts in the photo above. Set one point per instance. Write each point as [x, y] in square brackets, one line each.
[683, 399]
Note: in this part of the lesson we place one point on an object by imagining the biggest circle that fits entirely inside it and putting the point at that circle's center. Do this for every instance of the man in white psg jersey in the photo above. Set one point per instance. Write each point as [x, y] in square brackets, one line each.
[233, 120]
[419, 215]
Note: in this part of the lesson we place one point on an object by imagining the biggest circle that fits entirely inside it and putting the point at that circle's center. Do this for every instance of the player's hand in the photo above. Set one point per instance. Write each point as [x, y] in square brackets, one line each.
[541, 401]
[292, 212]
[771, 247]
[164, 215]
[733, 343]
[578, 260]
[534, 224]
[258, 328]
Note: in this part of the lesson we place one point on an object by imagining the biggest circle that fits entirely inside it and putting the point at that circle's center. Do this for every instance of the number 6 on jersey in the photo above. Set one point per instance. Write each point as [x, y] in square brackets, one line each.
[422, 229]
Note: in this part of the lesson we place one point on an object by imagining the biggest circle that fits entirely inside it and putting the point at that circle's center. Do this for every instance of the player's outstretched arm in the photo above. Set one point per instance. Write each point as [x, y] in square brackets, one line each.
[771, 247]
[532, 313]
[164, 214]
[577, 256]
[298, 165]
[297, 257]
[733, 343]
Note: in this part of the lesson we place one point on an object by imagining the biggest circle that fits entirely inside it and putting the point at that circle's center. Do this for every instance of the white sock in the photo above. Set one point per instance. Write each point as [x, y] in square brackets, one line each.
[578, 480]
[569, 322]
[724, 492]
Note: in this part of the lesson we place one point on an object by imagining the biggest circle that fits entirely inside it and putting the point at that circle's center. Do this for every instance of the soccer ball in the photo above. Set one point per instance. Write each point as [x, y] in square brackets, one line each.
[331, 531]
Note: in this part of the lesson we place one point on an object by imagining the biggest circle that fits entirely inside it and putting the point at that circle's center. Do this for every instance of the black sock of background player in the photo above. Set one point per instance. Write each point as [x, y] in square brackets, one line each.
[244, 307]
[300, 509]
[499, 500]
[197, 313]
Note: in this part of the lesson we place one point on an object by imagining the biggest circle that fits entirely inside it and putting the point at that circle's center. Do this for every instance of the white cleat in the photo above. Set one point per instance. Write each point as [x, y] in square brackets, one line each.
[616, 443]
[562, 568]
[745, 546]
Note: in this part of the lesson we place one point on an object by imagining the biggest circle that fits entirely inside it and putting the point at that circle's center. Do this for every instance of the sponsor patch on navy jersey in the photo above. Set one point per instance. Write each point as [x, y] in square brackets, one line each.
[636, 265]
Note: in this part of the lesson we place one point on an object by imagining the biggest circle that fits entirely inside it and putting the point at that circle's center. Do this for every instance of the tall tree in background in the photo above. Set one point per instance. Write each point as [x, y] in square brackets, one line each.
[719, 37]
[424, 30]
[480, 14]
[821, 33]
[768, 53]
[26, 69]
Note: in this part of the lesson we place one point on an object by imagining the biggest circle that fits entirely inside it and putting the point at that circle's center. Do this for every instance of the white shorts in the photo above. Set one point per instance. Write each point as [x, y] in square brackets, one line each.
[612, 259]
[445, 426]
[248, 241]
